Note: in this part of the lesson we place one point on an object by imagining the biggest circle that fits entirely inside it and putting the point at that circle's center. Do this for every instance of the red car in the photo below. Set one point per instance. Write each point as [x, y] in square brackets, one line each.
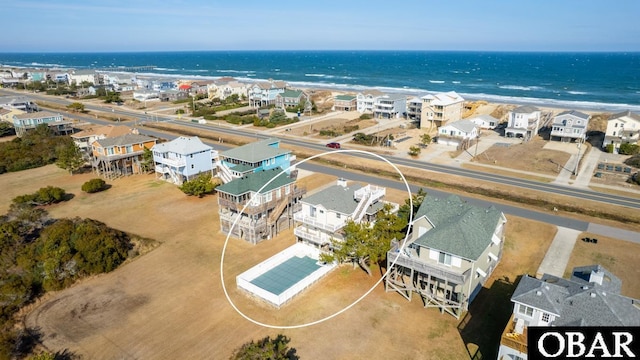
[333, 145]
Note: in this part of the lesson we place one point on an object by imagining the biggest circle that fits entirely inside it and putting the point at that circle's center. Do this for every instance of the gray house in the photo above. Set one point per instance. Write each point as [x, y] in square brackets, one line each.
[452, 249]
[591, 297]
[570, 126]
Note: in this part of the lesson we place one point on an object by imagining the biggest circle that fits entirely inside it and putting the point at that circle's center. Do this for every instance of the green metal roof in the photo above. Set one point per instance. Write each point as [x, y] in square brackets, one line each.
[254, 181]
[345, 97]
[459, 228]
[242, 168]
[291, 93]
[256, 151]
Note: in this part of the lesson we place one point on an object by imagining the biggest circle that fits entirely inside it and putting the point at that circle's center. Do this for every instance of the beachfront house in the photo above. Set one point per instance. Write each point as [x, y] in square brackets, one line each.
[485, 121]
[83, 76]
[440, 108]
[84, 138]
[6, 114]
[144, 95]
[523, 122]
[457, 133]
[224, 87]
[291, 98]
[451, 251]
[591, 297]
[183, 159]
[264, 93]
[118, 156]
[253, 157]
[365, 101]
[29, 121]
[390, 106]
[323, 214]
[570, 126]
[345, 102]
[622, 128]
[258, 205]
[414, 109]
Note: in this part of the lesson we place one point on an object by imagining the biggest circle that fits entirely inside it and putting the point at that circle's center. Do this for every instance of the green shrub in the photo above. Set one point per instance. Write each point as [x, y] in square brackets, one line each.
[634, 179]
[609, 148]
[366, 116]
[94, 186]
[44, 196]
[629, 149]
[633, 161]
[199, 186]
[414, 151]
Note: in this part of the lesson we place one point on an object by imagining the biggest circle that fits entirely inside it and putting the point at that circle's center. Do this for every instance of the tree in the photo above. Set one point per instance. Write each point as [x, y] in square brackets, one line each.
[94, 186]
[365, 244]
[414, 151]
[425, 139]
[76, 106]
[6, 129]
[69, 156]
[199, 186]
[267, 349]
[147, 162]
[629, 149]
[417, 200]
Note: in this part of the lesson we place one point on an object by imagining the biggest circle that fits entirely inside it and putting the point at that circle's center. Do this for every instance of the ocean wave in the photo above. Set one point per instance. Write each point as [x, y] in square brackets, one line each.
[316, 75]
[456, 82]
[236, 71]
[577, 92]
[519, 87]
[164, 69]
[436, 81]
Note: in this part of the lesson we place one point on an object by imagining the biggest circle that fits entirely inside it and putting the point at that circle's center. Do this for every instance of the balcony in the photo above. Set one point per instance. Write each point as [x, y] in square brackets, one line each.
[173, 162]
[317, 237]
[419, 265]
[312, 221]
[513, 339]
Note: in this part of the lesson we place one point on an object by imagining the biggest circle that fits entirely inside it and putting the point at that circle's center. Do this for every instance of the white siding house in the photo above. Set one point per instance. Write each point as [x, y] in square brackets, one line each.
[366, 100]
[183, 159]
[457, 132]
[523, 122]
[390, 106]
[570, 125]
[622, 128]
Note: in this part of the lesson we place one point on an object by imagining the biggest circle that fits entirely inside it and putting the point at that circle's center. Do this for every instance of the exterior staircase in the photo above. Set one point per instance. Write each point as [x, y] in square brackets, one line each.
[224, 173]
[277, 211]
[366, 196]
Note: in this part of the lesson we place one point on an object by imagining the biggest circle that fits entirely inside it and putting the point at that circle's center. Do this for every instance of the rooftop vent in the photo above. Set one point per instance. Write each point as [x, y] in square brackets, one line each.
[538, 292]
[593, 294]
[342, 182]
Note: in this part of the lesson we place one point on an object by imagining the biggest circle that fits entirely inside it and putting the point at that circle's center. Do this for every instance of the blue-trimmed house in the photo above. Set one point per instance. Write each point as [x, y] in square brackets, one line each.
[182, 159]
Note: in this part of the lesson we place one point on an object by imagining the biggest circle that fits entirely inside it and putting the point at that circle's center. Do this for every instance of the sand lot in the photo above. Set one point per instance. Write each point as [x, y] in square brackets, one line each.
[169, 303]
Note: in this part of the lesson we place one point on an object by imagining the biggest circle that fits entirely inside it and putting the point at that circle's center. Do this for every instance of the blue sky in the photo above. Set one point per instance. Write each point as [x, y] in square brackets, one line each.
[156, 25]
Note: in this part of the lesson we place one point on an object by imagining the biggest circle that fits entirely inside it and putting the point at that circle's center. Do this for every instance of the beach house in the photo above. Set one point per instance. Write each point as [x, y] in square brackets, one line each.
[451, 251]
[291, 98]
[253, 157]
[390, 106]
[84, 138]
[523, 122]
[458, 133]
[183, 159]
[622, 128]
[591, 297]
[440, 108]
[83, 76]
[570, 126]
[485, 121]
[258, 205]
[264, 93]
[29, 121]
[365, 100]
[18, 102]
[414, 109]
[118, 156]
[323, 214]
[345, 103]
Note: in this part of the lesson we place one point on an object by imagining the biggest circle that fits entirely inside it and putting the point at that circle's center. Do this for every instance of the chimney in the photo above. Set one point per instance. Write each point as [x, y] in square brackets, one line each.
[596, 277]
[342, 182]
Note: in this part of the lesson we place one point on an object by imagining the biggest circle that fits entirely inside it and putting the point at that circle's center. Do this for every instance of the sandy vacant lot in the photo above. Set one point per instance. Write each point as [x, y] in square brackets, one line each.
[170, 303]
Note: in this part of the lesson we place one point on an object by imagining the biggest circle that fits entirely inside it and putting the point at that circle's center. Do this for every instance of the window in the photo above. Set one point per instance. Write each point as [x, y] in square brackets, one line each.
[338, 215]
[545, 317]
[444, 258]
[269, 196]
[287, 189]
[192, 166]
[525, 310]
[614, 133]
[616, 125]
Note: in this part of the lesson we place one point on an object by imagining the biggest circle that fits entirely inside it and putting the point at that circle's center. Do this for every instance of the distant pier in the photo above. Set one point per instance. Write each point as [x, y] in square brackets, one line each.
[127, 68]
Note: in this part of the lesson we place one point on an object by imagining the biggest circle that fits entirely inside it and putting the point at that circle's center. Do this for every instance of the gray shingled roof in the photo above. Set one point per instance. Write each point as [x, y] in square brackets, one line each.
[577, 303]
[465, 126]
[459, 228]
[256, 151]
[182, 145]
[254, 181]
[340, 199]
[127, 139]
[575, 113]
[625, 113]
[525, 109]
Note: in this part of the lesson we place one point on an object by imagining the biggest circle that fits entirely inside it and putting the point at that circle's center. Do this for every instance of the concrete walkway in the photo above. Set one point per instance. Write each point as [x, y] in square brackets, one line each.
[589, 163]
[557, 256]
[564, 177]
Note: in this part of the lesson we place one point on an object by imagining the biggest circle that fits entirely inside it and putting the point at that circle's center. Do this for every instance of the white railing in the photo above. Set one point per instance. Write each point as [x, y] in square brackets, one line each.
[315, 237]
[366, 196]
[171, 161]
[299, 216]
[224, 172]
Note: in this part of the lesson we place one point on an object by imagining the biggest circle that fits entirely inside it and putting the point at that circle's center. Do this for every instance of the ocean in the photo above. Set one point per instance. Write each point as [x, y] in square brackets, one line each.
[592, 81]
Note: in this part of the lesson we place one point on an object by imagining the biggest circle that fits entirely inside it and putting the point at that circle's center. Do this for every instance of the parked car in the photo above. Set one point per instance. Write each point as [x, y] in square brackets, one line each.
[333, 145]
